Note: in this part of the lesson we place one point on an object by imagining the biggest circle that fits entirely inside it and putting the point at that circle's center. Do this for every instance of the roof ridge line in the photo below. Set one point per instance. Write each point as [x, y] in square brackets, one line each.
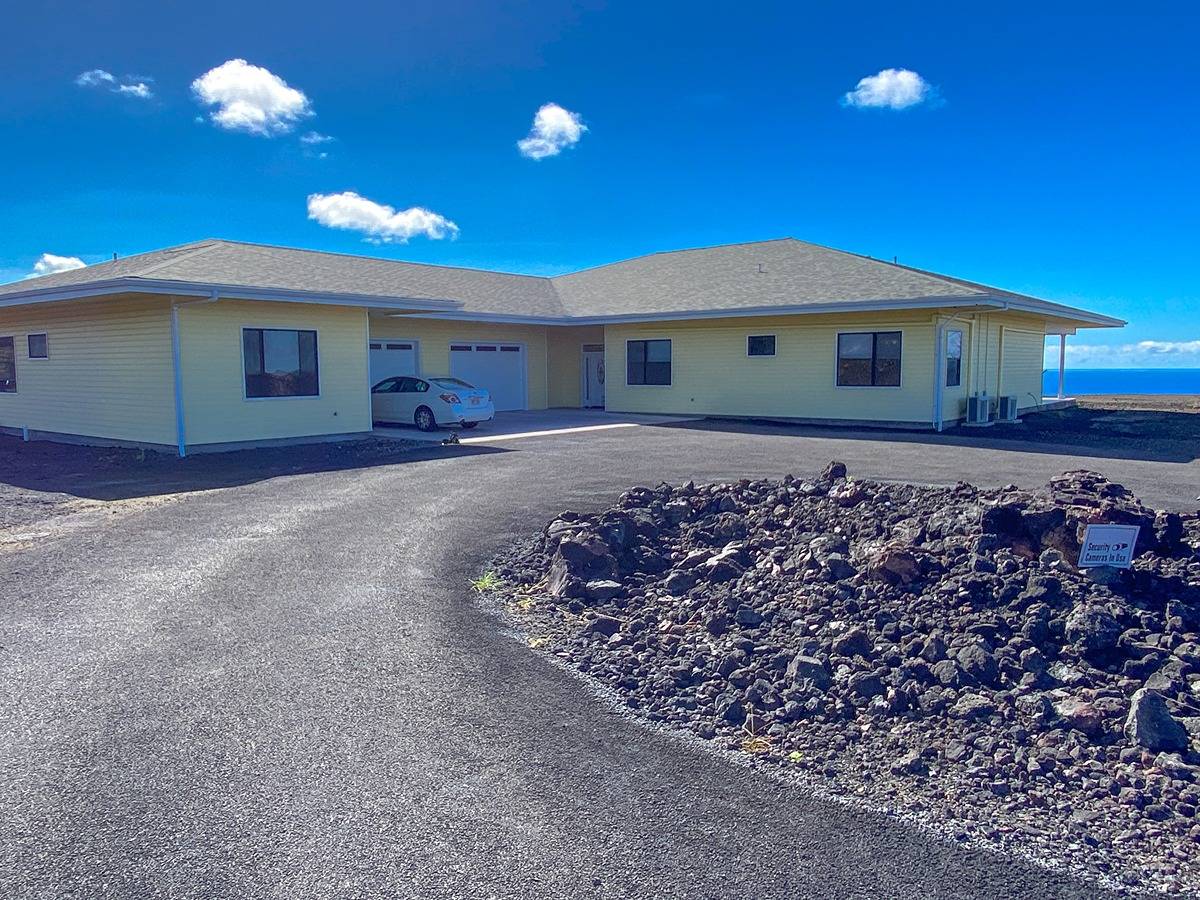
[188, 254]
[384, 259]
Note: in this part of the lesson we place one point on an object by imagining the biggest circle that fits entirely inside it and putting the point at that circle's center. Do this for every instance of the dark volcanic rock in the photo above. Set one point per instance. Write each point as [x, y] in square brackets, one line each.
[1092, 628]
[1151, 725]
[930, 648]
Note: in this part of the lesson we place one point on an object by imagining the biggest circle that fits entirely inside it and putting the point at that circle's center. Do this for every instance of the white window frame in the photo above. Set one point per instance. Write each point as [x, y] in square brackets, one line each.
[962, 358]
[629, 341]
[774, 347]
[867, 387]
[34, 334]
[242, 348]
[16, 379]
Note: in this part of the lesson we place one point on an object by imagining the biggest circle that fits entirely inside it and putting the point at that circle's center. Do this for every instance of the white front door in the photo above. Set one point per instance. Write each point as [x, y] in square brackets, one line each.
[391, 358]
[593, 376]
[497, 367]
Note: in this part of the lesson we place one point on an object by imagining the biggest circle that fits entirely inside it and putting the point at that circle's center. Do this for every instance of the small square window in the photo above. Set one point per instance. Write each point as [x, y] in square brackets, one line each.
[760, 345]
[39, 346]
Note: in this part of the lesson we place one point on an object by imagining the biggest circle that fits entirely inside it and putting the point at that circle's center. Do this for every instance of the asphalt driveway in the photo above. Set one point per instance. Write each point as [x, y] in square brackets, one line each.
[284, 689]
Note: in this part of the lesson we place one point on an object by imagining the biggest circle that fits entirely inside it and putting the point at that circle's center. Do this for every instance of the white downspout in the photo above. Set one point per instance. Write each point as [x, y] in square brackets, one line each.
[177, 371]
[939, 379]
[1062, 366]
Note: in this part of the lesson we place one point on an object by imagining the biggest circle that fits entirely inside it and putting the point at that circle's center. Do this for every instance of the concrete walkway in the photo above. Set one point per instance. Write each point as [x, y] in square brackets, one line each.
[530, 423]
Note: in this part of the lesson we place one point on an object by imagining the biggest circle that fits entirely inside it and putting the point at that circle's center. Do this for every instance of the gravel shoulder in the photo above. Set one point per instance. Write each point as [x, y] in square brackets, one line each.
[1185, 403]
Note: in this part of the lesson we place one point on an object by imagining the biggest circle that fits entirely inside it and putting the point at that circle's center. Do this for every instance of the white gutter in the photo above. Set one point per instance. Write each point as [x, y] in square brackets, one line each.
[134, 285]
[981, 302]
[177, 370]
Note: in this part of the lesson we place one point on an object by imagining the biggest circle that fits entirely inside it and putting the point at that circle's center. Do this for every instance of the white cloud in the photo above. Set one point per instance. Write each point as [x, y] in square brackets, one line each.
[139, 89]
[890, 89]
[48, 264]
[1148, 354]
[380, 223]
[554, 129]
[95, 78]
[315, 137]
[251, 99]
[127, 85]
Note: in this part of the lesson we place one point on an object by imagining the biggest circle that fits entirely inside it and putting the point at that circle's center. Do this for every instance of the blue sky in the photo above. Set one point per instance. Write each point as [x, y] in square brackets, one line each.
[1049, 149]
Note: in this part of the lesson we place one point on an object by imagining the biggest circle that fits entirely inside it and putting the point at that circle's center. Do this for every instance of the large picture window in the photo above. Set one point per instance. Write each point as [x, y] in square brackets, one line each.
[280, 362]
[8, 365]
[868, 359]
[648, 362]
[954, 357]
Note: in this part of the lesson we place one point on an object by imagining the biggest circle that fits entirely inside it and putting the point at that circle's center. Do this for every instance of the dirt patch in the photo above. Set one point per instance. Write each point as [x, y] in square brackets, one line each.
[931, 651]
[1164, 433]
[1188, 403]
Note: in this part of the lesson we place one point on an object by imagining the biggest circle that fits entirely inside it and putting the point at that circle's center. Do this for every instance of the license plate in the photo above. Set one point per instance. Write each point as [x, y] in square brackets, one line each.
[474, 401]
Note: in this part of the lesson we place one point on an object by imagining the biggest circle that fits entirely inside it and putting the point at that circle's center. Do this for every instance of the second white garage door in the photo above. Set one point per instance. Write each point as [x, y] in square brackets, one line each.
[498, 367]
[388, 358]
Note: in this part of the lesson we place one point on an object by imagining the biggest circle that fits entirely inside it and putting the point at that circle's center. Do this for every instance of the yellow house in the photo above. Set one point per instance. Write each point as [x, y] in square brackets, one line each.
[219, 344]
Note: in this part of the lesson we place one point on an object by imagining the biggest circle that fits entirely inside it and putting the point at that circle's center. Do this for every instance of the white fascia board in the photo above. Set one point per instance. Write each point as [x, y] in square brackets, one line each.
[135, 285]
[1060, 311]
[986, 302]
[497, 318]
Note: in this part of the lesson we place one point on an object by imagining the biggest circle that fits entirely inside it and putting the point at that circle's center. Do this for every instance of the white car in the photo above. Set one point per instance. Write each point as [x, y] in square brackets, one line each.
[430, 402]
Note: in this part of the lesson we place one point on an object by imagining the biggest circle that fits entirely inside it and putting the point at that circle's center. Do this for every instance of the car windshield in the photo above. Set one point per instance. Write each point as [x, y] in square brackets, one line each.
[451, 383]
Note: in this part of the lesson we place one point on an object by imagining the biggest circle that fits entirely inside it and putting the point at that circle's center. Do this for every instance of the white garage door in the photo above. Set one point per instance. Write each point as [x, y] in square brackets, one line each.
[390, 358]
[498, 367]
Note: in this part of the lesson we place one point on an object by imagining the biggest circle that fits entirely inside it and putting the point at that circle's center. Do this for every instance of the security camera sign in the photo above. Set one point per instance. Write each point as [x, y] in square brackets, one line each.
[1108, 545]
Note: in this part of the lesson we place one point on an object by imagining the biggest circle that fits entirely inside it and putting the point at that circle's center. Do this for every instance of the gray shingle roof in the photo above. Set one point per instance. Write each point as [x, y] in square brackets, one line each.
[736, 277]
[784, 272]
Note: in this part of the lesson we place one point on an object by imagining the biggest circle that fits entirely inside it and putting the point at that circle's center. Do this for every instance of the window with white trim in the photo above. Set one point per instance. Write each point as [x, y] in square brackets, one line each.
[648, 362]
[868, 359]
[280, 362]
[8, 365]
[38, 346]
[954, 358]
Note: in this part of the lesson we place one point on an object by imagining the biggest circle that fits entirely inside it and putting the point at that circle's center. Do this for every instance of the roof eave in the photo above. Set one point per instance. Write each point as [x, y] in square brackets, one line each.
[135, 285]
[979, 301]
[1058, 311]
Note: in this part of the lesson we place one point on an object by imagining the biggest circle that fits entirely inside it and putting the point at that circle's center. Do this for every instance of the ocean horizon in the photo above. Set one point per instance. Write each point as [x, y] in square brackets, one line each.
[1080, 382]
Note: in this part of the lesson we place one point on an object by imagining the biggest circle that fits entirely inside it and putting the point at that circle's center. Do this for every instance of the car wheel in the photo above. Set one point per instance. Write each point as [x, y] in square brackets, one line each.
[469, 424]
[424, 419]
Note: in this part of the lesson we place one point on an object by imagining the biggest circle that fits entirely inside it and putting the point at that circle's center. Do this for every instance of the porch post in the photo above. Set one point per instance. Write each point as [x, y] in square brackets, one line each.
[1062, 365]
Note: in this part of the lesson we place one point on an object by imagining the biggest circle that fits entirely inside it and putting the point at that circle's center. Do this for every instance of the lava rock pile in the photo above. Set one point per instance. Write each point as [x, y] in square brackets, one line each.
[931, 649]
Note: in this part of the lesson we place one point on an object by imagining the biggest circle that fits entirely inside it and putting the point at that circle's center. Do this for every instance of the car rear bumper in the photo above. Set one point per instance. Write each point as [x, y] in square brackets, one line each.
[460, 412]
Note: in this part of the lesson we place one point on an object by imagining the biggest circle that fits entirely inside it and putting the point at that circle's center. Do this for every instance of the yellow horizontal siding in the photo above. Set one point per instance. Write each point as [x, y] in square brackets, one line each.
[215, 408]
[712, 374]
[1022, 357]
[109, 373]
[435, 336]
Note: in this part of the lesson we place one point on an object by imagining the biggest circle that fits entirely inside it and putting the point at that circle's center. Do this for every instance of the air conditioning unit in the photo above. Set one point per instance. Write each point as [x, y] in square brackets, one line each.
[1008, 409]
[979, 408]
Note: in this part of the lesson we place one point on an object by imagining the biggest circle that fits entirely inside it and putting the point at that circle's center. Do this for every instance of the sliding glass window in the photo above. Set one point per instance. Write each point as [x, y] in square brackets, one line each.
[280, 362]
